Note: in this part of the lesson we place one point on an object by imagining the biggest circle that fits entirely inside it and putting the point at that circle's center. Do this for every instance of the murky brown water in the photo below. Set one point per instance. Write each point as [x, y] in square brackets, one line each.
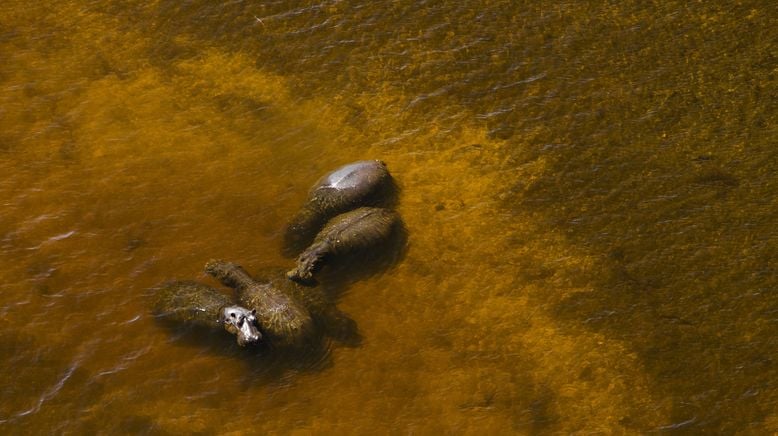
[589, 191]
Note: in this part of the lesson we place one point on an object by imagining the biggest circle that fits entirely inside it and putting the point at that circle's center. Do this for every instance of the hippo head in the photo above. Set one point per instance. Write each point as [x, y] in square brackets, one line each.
[240, 322]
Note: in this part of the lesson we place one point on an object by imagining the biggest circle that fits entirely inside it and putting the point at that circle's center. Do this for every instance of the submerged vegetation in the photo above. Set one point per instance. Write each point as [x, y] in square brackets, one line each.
[590, 189]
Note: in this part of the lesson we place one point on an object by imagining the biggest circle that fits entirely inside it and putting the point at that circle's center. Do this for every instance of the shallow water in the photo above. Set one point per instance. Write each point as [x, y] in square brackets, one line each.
[588, 189]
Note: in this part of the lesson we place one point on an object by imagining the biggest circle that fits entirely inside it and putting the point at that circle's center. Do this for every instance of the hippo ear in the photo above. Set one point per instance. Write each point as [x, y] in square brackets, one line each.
[253, 311]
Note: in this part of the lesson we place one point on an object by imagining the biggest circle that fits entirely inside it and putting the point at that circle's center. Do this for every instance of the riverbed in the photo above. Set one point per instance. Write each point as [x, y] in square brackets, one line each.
[588, 191]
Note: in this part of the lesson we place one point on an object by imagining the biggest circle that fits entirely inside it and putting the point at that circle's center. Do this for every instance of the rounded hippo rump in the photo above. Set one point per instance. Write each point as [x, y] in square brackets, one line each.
[281, 316]
[195, 304]
[319, 302]
[361, 183]
[354, 231]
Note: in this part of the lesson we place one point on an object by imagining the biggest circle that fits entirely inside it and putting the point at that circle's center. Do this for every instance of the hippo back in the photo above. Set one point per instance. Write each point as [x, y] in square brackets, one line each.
[281, 315]
[361, 183]
[358, 229]
[189, 302]
[352, 175]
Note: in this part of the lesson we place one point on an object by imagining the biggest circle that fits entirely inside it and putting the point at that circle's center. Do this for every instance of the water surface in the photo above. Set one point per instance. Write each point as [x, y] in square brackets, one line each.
[589, 192]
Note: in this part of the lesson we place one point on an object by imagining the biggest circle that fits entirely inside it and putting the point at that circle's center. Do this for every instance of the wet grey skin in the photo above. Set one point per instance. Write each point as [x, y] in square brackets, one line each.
[196, 304]
[281, 316]
[352, 231]
[361, 183]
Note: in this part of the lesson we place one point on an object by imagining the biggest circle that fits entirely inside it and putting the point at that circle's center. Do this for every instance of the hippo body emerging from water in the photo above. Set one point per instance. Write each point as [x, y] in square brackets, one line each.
[199, 305]
[281, 316]
[362, 183]
[353, 231]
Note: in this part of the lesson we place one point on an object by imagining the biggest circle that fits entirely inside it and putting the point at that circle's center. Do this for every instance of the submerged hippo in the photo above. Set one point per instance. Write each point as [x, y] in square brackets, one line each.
[282, 316]
[199, 305]
[352, 231]
[284, 303]
[362, 183]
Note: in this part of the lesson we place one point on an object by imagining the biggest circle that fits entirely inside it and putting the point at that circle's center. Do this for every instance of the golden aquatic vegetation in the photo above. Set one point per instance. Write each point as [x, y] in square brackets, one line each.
[588, 191]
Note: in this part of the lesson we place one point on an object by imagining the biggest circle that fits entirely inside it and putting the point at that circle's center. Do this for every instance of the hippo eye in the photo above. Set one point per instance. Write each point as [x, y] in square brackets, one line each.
[232, 315]
[240, 323]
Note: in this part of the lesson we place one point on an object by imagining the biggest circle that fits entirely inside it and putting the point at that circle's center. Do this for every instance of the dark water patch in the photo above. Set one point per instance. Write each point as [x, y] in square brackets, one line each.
[678, 237]
[528, 403]
[140, 425]
[114, 419]
[670, 280]
[242, 107]
[5, 144]
[45, 384]
[340, 327]
[165, 52]
[456, 59]
[671, 286]
[715, 177]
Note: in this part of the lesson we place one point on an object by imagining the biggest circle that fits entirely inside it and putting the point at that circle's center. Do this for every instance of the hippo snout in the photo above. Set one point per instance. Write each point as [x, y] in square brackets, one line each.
[242, 323]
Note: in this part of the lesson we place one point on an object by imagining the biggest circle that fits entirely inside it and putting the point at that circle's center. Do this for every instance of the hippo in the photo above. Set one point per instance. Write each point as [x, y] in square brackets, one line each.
[270, 289]
[196, 304]
[349, 232]
[361, 183]
[281, 315]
